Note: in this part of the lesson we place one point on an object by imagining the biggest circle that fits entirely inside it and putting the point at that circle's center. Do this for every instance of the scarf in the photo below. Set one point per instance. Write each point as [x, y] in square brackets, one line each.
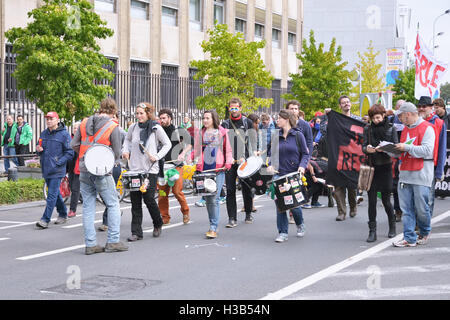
[146, 129]
[379, 132]
[235, 119]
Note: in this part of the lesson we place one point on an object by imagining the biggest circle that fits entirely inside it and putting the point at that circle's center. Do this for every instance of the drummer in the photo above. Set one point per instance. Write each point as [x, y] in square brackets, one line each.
[292, 156]
[148, 133]
[213, 150]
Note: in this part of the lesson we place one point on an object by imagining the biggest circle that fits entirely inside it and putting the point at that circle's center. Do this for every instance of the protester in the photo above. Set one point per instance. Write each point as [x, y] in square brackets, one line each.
[213, 150]
[441, 111]
[54, 152]
[380, 129]
[22, 139]
[416, 175]
[291, 158]
[178, 153]
[73, 168]
[237, 125]
[151, 135]
[105, 131]
[425, 109]
[8, 134]
[268, 125]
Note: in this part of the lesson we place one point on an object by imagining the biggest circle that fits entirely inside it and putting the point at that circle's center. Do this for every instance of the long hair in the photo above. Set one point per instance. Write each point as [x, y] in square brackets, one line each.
[215, 118]
[149, 109]
[288, 115]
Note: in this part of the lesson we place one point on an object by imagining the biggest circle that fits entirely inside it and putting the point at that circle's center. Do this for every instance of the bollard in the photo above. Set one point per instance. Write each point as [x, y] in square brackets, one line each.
[12, 174]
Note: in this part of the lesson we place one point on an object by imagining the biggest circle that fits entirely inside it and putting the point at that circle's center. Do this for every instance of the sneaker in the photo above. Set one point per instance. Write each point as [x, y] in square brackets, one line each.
[282, 237]
[222, 200]
[301, 230]
[186, 218]
[248, 218]
[423, 239]
[306, 206]
[157, 232]
[359, 199]
[72, 214]
[41, 224]
[211, 234]
[317, 205]
[231, 223]
[60, 220]
[115, 247]
[103, 228]
[95, 249]
[200, 203]
[133, 238]
[403, 243]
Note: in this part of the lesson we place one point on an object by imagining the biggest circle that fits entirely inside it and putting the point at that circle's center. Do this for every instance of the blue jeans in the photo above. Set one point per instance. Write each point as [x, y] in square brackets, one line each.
[54, 198]
[213, 204]
[282, 219]
[105, 186]
[9, 151]
[414, 203]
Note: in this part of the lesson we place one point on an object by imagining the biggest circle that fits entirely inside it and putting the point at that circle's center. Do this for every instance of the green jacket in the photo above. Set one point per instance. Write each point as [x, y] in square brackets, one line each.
[13, 133]
[27, 134]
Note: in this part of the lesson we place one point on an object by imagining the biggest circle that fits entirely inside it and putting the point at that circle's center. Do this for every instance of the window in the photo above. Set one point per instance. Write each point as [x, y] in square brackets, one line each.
[240, 26]
[139, 9]
[169, 86]
[291, 41]
[105, 5]
[219, 11]
[259, 32]
[170, 16]
[195, 14]
[276, 38]
[140, 82]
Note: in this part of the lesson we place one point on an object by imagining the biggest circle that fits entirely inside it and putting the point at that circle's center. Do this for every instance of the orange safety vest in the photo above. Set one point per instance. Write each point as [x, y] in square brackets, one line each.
[100, 137]
[409, 163]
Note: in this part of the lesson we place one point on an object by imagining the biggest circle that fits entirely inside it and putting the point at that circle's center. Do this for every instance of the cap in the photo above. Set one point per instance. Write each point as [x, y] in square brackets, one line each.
[425, 101]
[52, 114]
[407, 107]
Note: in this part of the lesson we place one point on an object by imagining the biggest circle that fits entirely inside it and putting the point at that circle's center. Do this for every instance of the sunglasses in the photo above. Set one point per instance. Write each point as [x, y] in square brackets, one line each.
[232, 109]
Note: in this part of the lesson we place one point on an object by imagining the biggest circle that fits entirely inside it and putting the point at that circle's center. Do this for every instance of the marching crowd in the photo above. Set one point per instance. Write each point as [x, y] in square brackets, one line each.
[290, 148]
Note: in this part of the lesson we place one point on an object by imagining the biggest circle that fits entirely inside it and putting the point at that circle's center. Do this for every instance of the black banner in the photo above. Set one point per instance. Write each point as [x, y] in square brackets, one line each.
[443, 187]
[344, 144]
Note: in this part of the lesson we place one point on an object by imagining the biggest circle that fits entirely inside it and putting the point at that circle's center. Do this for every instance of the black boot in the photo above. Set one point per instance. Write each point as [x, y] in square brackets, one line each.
[372, 231]
[330, 197]
[392, 233]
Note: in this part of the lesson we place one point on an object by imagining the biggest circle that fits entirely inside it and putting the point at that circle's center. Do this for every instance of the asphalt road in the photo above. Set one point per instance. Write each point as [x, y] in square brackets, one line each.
[332, 261]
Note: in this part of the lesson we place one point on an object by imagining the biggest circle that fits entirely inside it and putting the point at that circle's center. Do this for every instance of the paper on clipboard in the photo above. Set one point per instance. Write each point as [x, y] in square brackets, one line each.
[389, 148]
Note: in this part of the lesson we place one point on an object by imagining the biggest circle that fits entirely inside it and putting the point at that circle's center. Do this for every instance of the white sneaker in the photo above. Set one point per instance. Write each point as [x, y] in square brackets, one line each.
[301, 230]
[403, 243]
[282, 237]
[423, 239]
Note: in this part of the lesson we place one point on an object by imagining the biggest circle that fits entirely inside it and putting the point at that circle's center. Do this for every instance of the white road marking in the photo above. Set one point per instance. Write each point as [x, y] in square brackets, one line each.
[384, 271]
[299, 285]
[414, 251]
[3, 239]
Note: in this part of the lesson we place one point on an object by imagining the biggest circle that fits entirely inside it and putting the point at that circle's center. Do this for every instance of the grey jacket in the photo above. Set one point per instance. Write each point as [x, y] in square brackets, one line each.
[94, 124]
[139, 161]
[425, 176]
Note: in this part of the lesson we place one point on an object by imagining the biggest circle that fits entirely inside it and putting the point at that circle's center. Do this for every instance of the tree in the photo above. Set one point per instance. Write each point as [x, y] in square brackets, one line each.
[321, 78]
[405, 85]
[58, 61]
[233, 70]
[372, 80]
[445, 92]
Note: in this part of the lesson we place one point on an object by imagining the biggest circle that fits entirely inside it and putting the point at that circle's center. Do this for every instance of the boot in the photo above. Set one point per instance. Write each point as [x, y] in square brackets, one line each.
[330, 197]
[372, 231]
[392, 233]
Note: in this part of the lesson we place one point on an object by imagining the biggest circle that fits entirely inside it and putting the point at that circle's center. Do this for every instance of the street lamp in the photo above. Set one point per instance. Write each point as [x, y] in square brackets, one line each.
[434, 25]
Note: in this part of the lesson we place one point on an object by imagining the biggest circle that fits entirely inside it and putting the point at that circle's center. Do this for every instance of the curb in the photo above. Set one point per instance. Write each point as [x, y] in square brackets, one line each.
[23, 205]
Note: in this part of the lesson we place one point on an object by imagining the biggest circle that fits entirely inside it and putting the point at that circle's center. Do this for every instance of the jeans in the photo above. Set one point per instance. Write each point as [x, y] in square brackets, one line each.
[414, 202]
[9, 151]
[282, 218]
[212, 203]
[105, 186]
[432, 195]
[117, 170]
[54, 198]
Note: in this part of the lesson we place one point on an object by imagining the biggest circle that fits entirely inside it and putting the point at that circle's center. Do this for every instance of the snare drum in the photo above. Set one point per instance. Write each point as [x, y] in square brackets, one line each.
[99, 160]
[133, 180]
[205, 184]
[288, 191]
[254, 174]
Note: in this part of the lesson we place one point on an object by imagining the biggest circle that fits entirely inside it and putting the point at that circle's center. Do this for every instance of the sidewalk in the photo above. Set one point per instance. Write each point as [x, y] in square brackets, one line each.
[22, 205]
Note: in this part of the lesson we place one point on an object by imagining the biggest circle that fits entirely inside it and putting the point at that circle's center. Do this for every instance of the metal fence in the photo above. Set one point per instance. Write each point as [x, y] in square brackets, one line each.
[163, 91]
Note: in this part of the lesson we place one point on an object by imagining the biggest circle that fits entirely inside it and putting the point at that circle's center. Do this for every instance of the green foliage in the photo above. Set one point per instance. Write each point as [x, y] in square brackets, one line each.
[372, 77]
[445, 92]
[233, 70]
[59, 60]
[322, 78]
[405, 85]
[22, 190]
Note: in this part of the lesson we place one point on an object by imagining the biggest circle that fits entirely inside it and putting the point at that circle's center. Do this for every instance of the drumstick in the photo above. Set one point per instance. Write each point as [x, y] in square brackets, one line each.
[145, 149]
[214, 169]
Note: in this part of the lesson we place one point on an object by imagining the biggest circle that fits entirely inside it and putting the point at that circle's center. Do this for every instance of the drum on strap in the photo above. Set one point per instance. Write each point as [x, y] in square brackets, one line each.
[99, 160]
[205, 183]
[253, 173]
[133, 180]
[288, 191]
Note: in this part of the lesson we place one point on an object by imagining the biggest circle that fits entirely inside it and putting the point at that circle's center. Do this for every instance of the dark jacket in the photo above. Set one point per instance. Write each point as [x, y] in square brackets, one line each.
[57, 152]
[378, 158]
[290, 156]
[241, 148]
[305, 128]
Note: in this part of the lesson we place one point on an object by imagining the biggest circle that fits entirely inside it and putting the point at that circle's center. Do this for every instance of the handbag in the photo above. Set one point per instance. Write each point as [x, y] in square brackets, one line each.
[366, 174]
